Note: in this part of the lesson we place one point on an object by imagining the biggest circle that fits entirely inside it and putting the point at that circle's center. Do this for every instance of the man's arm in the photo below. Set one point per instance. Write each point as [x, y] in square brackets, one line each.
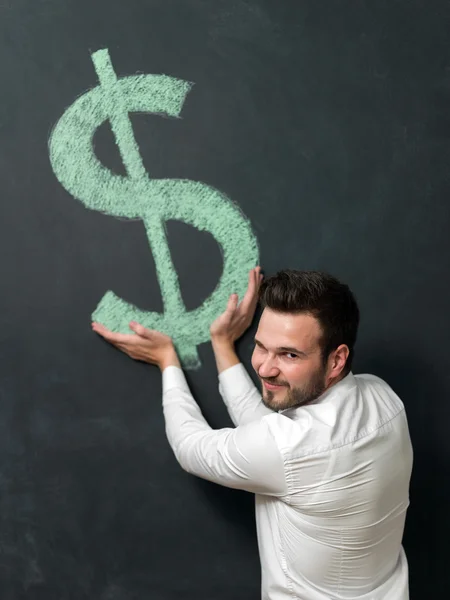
[245, 458]
[240, 395]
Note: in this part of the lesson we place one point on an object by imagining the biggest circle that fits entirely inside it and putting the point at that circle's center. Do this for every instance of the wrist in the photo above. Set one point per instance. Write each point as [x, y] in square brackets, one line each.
[169, 359]
[222, 343]
[224, 354]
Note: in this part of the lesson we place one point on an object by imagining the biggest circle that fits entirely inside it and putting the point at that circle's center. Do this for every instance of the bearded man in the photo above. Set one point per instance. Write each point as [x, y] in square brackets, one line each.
[327, 453]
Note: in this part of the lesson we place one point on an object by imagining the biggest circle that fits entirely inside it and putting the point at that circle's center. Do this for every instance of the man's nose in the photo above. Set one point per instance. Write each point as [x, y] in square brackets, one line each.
[268, 368]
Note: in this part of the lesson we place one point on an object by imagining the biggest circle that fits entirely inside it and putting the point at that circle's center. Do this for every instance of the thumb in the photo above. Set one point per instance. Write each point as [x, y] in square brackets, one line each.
[140, 330]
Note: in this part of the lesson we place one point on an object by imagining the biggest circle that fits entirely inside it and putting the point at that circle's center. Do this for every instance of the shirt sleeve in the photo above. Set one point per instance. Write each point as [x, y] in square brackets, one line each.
[245, 458]
[241, 397]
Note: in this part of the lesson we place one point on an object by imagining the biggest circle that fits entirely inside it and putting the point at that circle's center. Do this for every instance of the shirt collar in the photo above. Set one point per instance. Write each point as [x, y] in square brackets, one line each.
[338, 390]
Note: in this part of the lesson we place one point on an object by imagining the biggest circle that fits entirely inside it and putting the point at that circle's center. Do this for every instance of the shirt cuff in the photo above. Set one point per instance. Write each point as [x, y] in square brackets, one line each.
[173, 378]
[235, 381]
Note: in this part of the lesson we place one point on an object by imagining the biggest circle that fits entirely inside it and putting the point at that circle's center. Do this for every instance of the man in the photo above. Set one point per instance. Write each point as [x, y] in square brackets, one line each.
[327, 453]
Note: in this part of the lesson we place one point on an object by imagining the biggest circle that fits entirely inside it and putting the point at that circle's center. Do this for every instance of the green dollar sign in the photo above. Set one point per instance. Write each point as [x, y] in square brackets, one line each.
[154, 201]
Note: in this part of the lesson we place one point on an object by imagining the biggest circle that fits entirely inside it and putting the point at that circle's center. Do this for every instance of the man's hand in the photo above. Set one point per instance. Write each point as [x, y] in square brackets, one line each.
[145, 345]
[231, 324]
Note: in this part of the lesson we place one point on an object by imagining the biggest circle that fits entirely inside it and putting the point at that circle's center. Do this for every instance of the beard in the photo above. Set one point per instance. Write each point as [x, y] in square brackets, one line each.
[296, 396]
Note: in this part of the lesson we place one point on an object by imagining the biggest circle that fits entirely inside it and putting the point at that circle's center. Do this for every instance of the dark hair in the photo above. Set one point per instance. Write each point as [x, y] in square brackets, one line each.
[321, 296]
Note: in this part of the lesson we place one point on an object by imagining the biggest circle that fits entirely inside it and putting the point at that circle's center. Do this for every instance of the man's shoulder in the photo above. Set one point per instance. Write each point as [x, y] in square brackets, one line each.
[370, 378]
[352, 410]
[375, 388]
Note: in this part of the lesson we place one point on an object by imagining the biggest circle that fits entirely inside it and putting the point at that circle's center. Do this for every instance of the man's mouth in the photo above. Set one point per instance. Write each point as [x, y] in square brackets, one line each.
[273, 387]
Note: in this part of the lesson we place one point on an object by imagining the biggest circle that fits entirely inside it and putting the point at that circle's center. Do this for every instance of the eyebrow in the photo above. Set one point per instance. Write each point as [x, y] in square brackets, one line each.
[284, 349]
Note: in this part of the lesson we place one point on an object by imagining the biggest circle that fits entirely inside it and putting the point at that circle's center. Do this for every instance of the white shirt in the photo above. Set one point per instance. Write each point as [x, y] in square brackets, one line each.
[331, 481]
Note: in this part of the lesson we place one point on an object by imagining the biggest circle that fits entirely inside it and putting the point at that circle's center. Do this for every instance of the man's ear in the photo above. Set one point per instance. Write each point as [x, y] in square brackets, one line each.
[337, 361]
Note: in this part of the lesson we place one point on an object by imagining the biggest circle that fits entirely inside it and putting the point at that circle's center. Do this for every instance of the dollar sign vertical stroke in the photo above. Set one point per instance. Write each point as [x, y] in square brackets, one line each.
[154, 201]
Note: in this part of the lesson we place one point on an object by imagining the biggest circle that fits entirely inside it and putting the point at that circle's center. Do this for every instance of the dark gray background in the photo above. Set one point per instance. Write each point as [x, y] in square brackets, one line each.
[328, 123]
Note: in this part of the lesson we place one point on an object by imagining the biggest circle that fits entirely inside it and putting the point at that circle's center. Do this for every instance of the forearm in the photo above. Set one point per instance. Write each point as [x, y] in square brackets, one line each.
[224, 354]
[183, 417]
[240, 395]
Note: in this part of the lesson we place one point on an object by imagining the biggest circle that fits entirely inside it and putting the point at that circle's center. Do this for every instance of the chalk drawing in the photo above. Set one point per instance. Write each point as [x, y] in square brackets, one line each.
[154, 201]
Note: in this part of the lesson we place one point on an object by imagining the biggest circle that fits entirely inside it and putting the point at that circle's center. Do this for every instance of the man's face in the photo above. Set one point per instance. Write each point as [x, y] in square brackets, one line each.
[288, 360]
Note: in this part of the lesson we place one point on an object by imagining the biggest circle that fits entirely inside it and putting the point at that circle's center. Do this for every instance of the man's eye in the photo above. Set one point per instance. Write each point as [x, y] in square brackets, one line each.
[291, 355]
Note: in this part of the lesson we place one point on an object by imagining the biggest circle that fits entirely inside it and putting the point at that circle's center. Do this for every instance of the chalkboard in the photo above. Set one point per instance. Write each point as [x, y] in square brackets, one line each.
[323, 128]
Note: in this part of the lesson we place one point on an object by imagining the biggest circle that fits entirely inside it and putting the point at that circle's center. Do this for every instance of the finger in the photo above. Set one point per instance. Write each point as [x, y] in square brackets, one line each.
[232, 304]
[110, 336]
[251, 295]
[260, 277]
[151, 335]
[99, 328]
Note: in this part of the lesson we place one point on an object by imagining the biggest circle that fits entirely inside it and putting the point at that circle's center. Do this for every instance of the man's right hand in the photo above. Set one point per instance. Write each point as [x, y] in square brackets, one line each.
[231, 324]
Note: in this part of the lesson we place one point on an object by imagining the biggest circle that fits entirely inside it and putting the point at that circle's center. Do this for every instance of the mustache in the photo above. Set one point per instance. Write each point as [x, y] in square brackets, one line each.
[274, 381]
